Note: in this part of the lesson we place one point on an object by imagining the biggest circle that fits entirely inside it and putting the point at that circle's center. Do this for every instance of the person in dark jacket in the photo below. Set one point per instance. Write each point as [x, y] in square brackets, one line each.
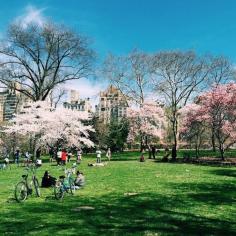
[48, 180]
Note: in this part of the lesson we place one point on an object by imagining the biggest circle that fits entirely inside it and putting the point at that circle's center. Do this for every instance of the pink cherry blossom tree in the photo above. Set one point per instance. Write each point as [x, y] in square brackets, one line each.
[192, 126]
[217, 108]
[52, 127]
[146, 120]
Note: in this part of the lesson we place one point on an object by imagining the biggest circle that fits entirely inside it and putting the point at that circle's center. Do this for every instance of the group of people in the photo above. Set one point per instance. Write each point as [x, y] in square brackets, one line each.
[99, 155]
[152, 151]
[26, 157]
[63, 156]
[50, 181]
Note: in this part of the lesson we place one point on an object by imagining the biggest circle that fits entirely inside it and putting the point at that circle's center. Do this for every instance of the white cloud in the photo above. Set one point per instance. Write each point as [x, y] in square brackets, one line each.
[31, 15]
[88, 88]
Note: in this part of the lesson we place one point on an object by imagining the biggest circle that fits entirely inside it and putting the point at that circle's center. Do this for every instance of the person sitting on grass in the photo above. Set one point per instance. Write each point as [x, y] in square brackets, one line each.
[48, 180]
[141, 159]
[80, 179]
[166, 155]
[6, 160]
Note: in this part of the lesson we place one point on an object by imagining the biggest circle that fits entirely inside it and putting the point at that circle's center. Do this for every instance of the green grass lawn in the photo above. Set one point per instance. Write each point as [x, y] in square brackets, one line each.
[128, 198]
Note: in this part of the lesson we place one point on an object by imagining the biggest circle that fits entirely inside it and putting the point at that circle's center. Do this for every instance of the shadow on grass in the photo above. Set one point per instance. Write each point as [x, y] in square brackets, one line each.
[208, 193]
[225, 172]
[112, 215]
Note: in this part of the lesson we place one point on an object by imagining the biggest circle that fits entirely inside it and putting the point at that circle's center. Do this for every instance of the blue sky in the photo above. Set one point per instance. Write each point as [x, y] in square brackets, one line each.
[208, 26]
[118, 26]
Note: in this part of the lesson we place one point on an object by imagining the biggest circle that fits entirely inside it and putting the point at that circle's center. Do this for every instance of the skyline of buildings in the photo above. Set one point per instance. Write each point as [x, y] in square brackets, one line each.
[112, 104]
[76, 103]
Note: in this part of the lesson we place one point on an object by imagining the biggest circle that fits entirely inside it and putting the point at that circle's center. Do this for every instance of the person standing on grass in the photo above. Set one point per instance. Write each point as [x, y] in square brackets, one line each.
[59, 157]
[51, 154]
[69, 155]
[108, 154]
[149, 152]
[17, 156]
[27, 158]
[99, 154]
[79, 156]
[63, 156]
[154, 152]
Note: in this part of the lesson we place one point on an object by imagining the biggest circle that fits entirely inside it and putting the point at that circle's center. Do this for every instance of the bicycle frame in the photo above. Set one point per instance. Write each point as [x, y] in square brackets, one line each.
[65, 184]
[25, 187]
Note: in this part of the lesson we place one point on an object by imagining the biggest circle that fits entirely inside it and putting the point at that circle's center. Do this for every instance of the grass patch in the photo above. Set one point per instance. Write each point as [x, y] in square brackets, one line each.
[126, 197]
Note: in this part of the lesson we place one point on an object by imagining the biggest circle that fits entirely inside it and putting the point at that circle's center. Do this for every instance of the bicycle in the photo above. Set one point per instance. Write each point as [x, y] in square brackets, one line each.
[24, 188]
[64, 184]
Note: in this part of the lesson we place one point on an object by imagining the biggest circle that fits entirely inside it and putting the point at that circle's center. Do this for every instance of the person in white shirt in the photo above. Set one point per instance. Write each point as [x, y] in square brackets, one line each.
[59, 157]
[108, 154]
[99, 154]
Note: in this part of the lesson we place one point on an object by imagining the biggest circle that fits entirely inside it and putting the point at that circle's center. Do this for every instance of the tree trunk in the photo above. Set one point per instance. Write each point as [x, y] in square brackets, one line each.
[213, 142]
[146, 141]
[196, 151]
[141, 144]
[222, 152]
[174, 147]
[174, 151]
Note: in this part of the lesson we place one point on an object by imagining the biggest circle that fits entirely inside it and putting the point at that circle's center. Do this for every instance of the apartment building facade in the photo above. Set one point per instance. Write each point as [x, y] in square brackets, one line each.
[112, 105]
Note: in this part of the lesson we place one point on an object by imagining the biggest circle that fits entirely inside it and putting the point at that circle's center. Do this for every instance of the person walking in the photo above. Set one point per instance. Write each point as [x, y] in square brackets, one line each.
[108, 154]
[149, 152]
[69, 155]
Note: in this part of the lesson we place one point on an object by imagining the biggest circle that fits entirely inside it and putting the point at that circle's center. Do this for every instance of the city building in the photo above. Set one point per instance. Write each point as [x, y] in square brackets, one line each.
[75, 103]
[112, 105]
[11, 102]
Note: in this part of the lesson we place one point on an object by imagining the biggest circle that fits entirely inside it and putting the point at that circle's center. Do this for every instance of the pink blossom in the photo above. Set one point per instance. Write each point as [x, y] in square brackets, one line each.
[52, 125]
[147, 119]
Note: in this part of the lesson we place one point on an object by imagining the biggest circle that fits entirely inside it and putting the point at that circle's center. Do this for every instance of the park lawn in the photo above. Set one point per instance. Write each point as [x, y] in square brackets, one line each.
[126, 197]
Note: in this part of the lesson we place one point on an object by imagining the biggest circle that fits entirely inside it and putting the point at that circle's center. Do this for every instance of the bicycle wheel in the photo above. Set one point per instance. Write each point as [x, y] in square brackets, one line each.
[21, 191]
[36, 186]
[72, 185]
[58, 190]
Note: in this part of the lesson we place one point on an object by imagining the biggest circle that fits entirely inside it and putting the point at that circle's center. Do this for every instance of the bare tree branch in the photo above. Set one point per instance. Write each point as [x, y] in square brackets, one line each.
[41, 58]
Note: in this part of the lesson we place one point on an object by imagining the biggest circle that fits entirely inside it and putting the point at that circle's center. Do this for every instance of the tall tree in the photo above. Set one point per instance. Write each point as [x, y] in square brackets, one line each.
[146, 120]
[217, 106]
[36, 59]
[177, 75]
[221, 72]
[192, 126]
[130, 74]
